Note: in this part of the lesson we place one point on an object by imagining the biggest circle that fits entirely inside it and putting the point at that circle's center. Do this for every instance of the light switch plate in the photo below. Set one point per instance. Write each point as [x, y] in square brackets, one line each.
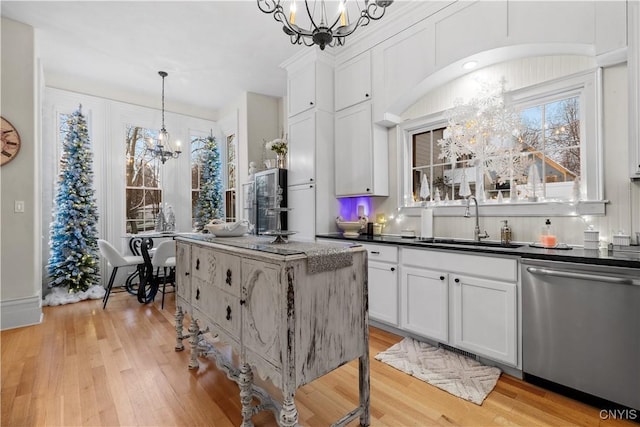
[18, 206]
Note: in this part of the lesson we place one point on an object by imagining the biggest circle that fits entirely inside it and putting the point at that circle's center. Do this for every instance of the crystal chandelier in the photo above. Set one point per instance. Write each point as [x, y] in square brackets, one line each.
[320, 30]
[162, 149]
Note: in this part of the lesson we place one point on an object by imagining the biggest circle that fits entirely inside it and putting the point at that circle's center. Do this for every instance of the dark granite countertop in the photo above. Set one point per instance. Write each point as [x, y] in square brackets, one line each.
[575, 254]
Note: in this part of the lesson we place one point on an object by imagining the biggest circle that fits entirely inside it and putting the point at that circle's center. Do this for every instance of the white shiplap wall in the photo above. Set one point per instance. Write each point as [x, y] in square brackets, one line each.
[518, 74]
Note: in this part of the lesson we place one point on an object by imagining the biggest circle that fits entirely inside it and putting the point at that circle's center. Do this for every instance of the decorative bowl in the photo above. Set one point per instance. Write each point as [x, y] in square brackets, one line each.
[350, 228]
[228, 229]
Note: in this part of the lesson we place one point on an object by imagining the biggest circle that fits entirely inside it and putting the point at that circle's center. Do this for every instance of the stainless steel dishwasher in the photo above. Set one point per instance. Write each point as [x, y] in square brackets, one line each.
[581, 328]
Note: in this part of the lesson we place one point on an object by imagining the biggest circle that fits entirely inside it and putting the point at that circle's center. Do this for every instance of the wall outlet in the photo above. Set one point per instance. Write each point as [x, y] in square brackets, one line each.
[18, 206]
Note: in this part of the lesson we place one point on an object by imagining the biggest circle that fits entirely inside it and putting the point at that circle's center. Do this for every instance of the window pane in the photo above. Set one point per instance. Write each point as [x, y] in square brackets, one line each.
[194, 203]
[532, 128]
[143, 195]
[438, 184]
[562, 165]
[422, 149]
[552, 136]
[197, 145]
[425, 160]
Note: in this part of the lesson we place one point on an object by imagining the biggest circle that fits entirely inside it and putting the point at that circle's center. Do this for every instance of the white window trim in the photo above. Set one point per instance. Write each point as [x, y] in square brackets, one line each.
[588, 85]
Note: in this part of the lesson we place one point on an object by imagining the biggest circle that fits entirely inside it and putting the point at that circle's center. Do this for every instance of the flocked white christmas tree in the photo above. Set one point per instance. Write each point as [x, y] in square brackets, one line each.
[73, 261]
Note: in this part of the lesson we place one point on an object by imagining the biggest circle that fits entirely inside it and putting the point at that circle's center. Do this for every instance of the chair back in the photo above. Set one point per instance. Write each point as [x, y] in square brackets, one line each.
[164, 251]
[111, 254]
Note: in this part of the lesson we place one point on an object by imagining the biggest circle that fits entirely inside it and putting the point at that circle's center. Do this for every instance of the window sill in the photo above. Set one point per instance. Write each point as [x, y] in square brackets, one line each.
[457, 208]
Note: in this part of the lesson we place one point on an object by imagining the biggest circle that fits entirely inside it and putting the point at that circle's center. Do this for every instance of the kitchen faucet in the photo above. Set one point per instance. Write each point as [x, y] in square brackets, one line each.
[476, 231]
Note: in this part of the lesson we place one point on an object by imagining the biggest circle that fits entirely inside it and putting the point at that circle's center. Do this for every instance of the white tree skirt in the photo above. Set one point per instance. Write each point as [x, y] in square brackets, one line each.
[61, 296]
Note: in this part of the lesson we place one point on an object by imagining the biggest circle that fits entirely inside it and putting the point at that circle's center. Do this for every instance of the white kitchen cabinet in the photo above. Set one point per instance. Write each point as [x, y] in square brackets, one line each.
[301, 219]
[310, 84]
[302, 149]
[468, 301]
[361, 154]
[484, 313]
[353, 81]
[425, 302]
[633, 69]
[383, 283]
[311, 139]
[311, 163]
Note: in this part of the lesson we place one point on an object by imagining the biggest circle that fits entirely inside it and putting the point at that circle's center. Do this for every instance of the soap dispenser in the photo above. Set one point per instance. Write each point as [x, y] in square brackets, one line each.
[505, 233]
[548, 238]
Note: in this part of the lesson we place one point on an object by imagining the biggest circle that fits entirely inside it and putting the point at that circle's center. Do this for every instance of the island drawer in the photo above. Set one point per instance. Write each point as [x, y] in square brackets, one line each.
[218, 268]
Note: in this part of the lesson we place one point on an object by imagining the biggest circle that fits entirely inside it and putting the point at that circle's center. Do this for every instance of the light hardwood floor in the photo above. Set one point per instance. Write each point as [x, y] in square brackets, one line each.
[85, 366]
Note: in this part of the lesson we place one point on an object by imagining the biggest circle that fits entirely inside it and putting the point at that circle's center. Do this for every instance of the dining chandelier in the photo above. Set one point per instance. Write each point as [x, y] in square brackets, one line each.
[320, 30]
[162, 149]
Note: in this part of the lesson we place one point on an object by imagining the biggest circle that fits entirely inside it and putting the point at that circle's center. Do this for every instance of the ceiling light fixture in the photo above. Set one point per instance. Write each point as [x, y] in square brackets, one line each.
[319, 30]
[162, 149]
[470, 65]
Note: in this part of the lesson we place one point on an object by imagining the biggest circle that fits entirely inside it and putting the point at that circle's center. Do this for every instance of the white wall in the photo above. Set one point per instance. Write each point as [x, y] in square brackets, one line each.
[257, 118]
[20, 299]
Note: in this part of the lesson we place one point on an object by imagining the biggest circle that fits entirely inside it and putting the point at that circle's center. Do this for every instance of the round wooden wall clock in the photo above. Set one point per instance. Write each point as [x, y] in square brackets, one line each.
[10, 142]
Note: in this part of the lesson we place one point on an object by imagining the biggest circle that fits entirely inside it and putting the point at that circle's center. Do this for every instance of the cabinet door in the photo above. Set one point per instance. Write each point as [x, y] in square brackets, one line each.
[301, 90]
[302, 217]
[425, 302]
[302, 149]
[261, 316]
[353, 151]
[383, 292]
[633, 68]
[485, 317]
[183, 272]
[353, 81]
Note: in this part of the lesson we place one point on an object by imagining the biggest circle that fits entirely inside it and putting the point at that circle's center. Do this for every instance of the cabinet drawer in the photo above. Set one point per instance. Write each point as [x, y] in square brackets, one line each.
[218, 268]
[219, 307]
[504, 269]
[384, 253]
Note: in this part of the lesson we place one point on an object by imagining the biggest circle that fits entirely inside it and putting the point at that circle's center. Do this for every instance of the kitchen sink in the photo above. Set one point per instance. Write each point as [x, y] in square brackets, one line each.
[467, 242]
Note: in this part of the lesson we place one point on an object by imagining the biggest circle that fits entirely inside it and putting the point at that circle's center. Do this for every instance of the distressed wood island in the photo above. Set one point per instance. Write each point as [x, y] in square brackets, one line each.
[291, 313]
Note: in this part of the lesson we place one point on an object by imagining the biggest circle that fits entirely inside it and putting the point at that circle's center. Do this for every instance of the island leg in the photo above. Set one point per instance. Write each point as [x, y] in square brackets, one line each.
[194, 337]
[289, 412]
[365, 389]
[245, 382]
[179, 317]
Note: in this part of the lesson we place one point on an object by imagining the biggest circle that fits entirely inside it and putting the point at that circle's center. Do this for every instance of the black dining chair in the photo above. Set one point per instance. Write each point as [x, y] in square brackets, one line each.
[159, 269]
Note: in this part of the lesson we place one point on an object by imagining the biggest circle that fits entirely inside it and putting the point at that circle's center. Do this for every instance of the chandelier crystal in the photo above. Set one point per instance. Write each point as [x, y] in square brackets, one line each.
[320, 30]
[162, 149]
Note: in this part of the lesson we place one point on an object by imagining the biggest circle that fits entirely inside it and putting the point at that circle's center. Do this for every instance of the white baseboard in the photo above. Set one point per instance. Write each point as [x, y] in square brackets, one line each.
[20, 312]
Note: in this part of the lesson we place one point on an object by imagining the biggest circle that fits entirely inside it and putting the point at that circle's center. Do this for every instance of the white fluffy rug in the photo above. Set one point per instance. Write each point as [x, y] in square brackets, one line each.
[454, 373]
[60, 296]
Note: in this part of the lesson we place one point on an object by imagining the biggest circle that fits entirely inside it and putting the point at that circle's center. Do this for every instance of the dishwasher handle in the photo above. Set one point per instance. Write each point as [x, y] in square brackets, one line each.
[583, 276]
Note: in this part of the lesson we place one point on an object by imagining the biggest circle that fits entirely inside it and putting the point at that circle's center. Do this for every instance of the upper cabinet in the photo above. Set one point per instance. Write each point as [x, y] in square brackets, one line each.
[310, 84]
[353, 81]
[361, 154]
